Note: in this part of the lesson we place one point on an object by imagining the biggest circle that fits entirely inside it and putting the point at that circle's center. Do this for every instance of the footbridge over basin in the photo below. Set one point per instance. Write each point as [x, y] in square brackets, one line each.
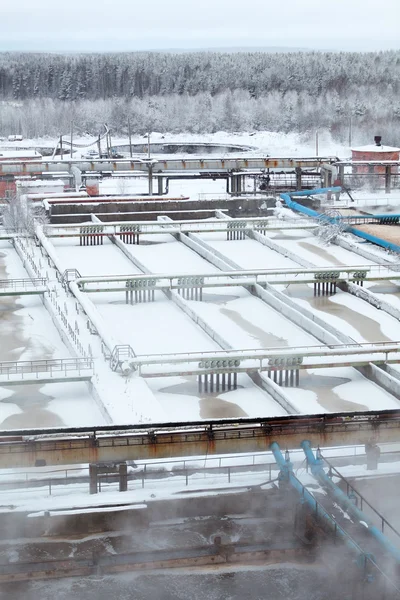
[272, 360]
[46, 371]
[23, 287]
[189, 284]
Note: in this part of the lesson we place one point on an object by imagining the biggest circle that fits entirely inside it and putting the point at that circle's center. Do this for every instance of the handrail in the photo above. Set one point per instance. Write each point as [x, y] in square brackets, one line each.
[384, 521]
[391, 269]
[13, 283]
[320, 510]
[214, 425]
[48, 365]
[261, 354]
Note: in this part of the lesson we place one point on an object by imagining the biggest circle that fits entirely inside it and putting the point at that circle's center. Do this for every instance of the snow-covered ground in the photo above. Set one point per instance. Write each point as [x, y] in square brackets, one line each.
[267, 142]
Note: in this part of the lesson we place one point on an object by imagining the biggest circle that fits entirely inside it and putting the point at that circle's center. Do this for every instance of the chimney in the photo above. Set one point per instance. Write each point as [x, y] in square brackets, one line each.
[377, 139]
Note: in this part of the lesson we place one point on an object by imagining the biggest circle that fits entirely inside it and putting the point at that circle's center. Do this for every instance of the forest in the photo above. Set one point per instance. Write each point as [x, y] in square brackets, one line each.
[201, 92]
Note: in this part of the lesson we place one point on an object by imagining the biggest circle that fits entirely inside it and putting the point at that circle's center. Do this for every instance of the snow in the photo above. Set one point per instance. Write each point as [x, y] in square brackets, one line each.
[18, 154]
[47, 186]
[375, 148]
[272, 143]
[249, 253]
[71, 403]
[92, 260]
[307, 246]
[239, 318]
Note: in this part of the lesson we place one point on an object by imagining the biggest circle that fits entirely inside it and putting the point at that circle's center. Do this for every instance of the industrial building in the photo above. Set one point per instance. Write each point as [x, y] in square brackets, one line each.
[200, 392]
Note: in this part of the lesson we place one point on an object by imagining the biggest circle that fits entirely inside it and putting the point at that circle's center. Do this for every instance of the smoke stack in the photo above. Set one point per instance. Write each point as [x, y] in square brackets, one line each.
[377, 139]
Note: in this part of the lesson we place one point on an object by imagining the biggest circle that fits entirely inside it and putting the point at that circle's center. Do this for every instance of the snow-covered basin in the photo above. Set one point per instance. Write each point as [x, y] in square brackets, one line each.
[339, 390]
[28, 333]
[355, 317]
[161, 327]
[246, 322]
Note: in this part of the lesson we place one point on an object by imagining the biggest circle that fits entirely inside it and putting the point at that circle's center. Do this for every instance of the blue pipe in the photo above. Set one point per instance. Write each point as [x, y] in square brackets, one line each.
[374, 240]
[318, 471]
[286, 474]
[287, 198]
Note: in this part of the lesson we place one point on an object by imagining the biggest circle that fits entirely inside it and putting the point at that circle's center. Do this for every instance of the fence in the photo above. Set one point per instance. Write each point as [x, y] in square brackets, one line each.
[22, 284]
[54, 367]
[361, 500]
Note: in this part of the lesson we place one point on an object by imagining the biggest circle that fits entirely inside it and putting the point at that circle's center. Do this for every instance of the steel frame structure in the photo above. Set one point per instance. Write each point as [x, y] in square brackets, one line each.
[172, 281]
[107, 443]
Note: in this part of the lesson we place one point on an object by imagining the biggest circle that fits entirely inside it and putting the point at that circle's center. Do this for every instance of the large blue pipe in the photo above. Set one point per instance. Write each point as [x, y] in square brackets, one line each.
[345, 502]
[286, 472]
[374, 240]
[287, 198]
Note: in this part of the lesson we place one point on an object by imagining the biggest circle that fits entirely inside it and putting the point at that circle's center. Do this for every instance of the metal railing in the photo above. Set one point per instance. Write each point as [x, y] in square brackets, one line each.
[357, 273]
[56, 367]
[301, 357]
[362, 500]
[16, 284]
[368, 561]
[120, 228]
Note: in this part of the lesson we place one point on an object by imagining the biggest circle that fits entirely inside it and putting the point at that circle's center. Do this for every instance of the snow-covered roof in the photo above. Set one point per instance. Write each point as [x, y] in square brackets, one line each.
[375, 148]
[40, 183]
[19, 154]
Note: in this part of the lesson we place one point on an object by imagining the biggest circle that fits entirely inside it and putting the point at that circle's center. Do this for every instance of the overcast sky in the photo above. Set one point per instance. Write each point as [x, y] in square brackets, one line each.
[129, 25]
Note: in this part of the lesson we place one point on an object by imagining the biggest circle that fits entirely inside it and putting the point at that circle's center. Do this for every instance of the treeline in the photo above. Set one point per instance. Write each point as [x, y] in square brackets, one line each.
[136, 75]
[40, 94]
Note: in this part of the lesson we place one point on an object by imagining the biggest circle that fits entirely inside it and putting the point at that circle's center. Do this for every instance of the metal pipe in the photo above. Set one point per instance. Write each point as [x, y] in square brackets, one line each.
[318, 471]
[286, 470]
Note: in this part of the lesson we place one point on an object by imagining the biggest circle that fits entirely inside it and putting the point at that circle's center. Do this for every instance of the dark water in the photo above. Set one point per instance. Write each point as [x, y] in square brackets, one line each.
[330, 258]
[32, 402]
[283, 582]
[267, 339]
[369, 329]
[212, 406]
[323, 386]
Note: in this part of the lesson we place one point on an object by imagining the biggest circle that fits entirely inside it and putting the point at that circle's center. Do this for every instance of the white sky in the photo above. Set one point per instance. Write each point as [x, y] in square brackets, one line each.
[129, 25]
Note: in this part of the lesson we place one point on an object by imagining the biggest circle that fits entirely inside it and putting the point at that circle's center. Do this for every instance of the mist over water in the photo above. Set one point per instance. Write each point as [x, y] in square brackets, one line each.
[288, 582]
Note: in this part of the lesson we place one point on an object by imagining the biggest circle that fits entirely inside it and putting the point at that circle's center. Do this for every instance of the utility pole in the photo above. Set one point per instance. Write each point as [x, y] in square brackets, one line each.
[148, 145]
[61, 148]
[316, 143]
[99, 145]
[72, 128]
[130, 137]
[350, 132]
[110, 143]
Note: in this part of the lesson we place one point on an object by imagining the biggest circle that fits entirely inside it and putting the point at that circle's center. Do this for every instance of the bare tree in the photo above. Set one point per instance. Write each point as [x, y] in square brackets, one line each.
[21, 216]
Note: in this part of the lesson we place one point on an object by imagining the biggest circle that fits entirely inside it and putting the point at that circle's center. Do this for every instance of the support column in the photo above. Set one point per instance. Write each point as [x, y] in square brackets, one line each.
[160, 181]
[298, 178]
[341, 174]
[373, 453]
[123, 477]
[93, 476]
[388, 177]
[150, 167]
